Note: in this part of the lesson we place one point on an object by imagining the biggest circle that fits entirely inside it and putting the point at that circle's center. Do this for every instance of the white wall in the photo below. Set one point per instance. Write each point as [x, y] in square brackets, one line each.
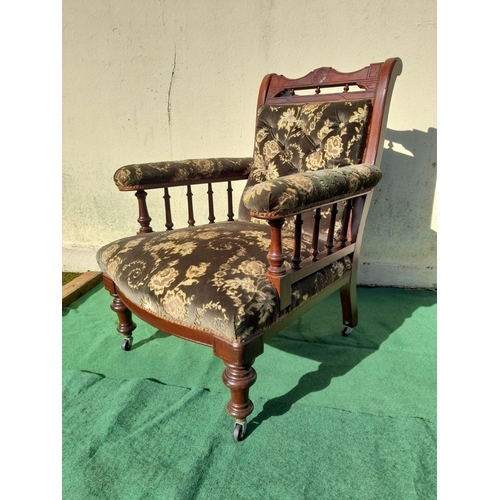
[156, 80]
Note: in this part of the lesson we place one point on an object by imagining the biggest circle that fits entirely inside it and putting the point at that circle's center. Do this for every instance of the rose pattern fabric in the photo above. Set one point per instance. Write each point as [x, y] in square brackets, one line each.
[297, 138]
[210, 277]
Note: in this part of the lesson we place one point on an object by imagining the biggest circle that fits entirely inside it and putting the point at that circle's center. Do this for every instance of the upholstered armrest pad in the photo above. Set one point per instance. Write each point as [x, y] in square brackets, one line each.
[292, 193]
[150, 175]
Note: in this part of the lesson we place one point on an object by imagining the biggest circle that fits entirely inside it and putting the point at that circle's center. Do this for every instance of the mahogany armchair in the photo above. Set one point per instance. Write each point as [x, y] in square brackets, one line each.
[232, 285]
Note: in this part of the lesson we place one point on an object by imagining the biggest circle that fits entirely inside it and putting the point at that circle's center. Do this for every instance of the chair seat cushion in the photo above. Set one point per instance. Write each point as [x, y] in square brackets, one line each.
[210, 277]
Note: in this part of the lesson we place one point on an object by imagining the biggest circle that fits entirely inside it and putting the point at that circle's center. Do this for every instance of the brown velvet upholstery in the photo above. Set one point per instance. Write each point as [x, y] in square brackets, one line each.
[296, 192]
[300, 137]
[150, 175]
[209, 277]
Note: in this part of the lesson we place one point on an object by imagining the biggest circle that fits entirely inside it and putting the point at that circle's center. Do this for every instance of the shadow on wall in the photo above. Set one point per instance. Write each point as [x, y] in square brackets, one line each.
[401, 230]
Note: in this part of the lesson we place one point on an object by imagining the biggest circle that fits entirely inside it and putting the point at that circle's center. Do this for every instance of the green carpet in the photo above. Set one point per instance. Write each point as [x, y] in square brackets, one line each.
[335, 417]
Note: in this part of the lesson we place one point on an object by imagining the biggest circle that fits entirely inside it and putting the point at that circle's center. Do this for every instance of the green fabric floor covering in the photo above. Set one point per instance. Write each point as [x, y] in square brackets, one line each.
[335, 417]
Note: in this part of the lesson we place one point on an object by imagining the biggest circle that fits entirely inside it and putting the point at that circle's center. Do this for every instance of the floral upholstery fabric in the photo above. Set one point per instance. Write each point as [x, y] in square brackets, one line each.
[291, 139]
[209, 277]
[146, 175]
[284, 195]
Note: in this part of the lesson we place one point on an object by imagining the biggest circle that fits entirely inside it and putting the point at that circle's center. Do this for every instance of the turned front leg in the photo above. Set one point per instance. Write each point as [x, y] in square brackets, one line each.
[239, 378]
[125, 324]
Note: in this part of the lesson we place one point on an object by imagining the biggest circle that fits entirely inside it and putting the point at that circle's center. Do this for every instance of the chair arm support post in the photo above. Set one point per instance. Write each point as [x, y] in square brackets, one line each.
[358, 205]
[357, 222]
[144, 218]
[275, 256]
[346, 217]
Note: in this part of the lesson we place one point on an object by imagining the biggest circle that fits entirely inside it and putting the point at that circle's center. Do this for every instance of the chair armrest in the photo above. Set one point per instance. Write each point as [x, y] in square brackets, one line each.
[294, 193]
[174, 173]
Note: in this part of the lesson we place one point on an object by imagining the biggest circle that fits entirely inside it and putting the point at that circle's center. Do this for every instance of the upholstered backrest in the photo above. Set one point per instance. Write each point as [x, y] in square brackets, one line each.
[301, 137]
[310, 136]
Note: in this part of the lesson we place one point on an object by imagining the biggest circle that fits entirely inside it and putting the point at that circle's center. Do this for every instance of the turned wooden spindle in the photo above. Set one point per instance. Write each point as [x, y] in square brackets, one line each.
[189, 195]
[211, 216]
[230, 212]
[275, 256]
[168, 212]
[345, 223]
[144, 218]
[313, 252]
[296, 257]
[239, 378]
[331, 230]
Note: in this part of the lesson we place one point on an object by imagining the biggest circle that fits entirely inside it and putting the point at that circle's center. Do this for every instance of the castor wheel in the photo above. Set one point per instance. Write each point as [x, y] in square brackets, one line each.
[127, 344]
[239, 431]
[346, 331]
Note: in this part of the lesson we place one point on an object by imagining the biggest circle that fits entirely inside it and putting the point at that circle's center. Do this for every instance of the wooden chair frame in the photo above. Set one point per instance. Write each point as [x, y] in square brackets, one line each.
[374, 82]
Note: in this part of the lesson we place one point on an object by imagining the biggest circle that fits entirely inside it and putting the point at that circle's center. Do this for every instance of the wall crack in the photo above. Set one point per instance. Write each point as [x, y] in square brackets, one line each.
[170, 85]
